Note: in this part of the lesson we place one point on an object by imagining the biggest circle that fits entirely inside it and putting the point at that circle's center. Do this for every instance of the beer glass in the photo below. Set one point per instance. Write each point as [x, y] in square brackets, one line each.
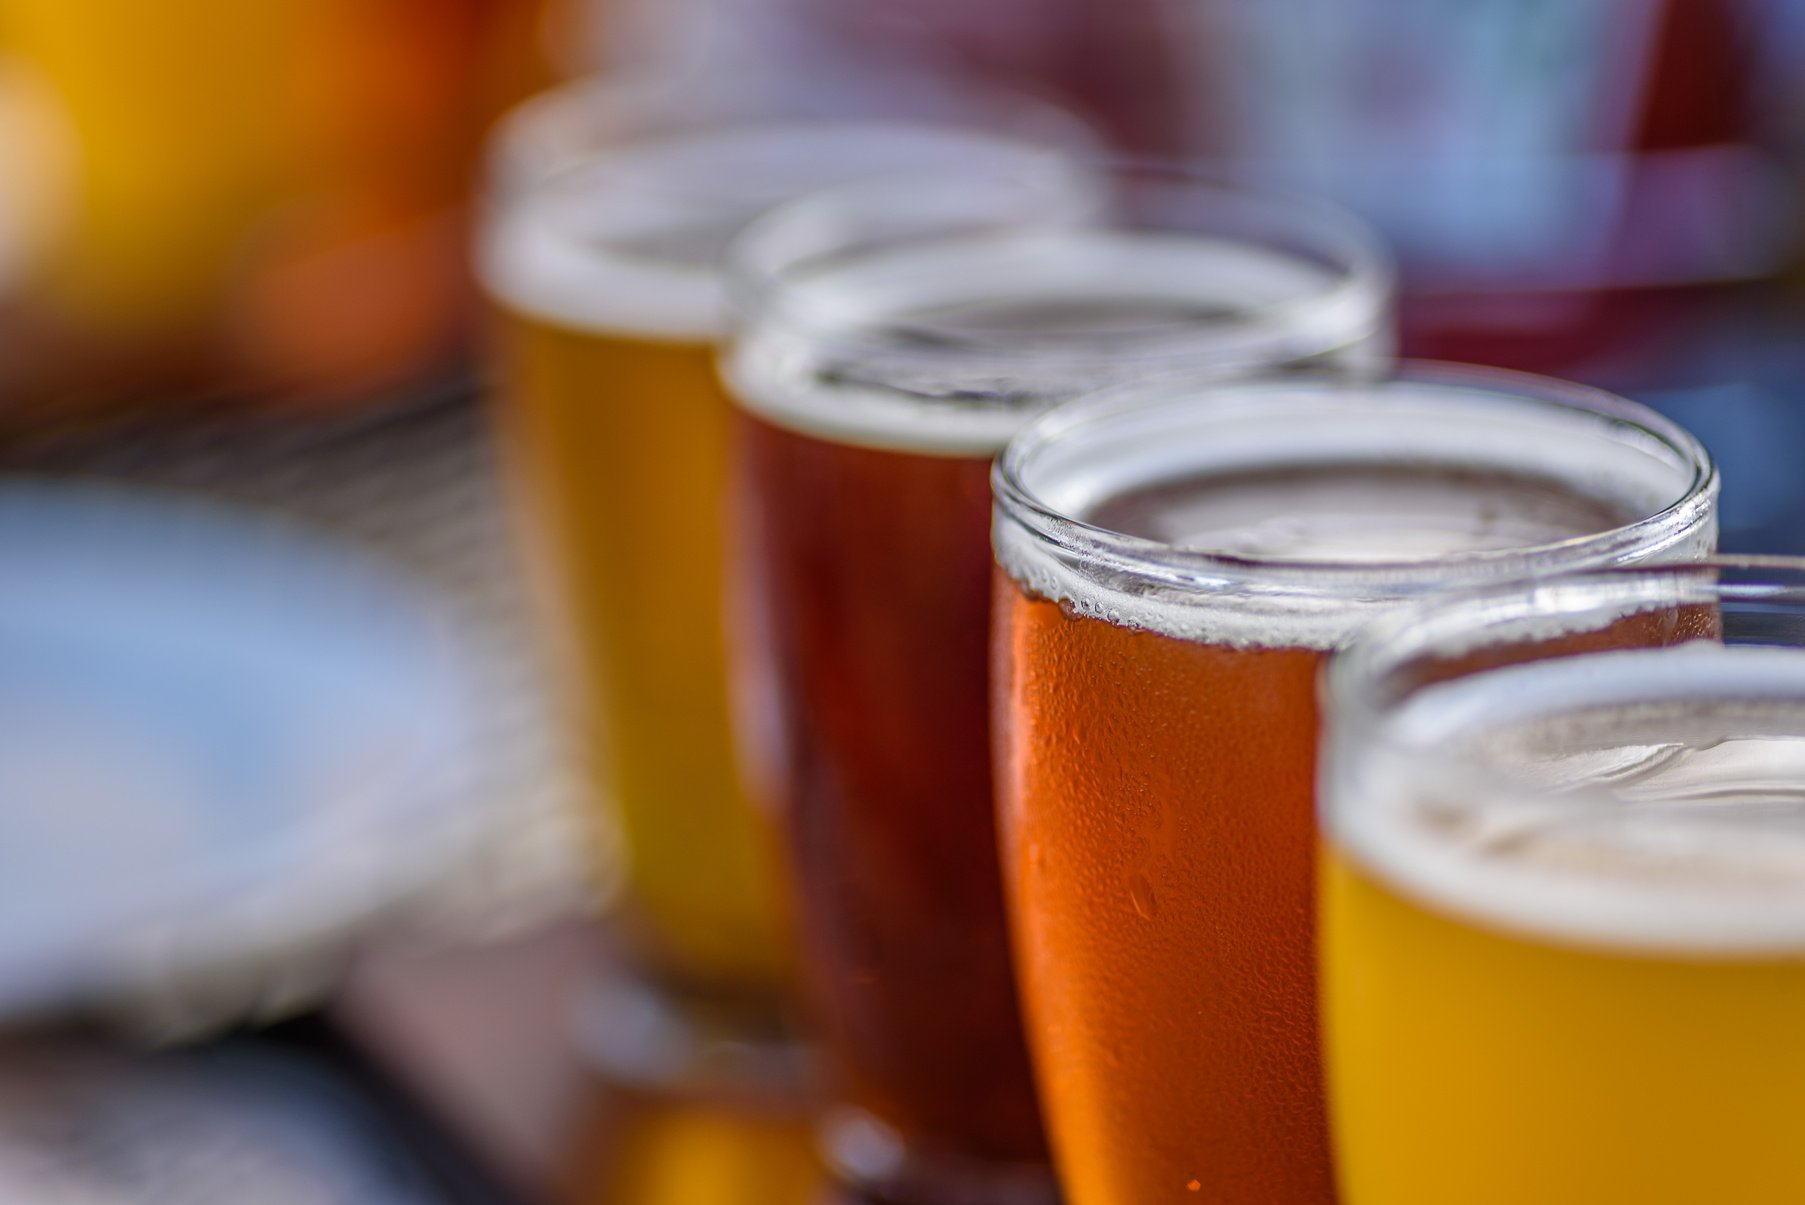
[1563, 892]
[599, 252]
[893, 334]
[1177, 561]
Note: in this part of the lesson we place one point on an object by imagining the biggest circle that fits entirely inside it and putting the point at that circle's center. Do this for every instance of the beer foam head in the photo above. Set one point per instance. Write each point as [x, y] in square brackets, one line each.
[937, 315]
[1644, 800]
[1439, 477]
[629, 241]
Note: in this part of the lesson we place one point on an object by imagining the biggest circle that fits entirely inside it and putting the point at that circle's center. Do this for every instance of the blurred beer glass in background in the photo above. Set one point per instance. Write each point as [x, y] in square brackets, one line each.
[1178, 560]
[609, 208]
[658, 1150]
[892, 336]
[1563, 896]
[261, 200]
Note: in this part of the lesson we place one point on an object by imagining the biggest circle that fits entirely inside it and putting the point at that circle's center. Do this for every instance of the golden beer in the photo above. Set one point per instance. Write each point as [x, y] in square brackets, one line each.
[1607, 1076]
[626, 494]
[602, 265]
[616, 433]
[1563, 906]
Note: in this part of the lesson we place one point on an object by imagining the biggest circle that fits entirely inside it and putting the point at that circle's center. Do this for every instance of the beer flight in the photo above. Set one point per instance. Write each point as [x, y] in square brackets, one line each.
[962, 549]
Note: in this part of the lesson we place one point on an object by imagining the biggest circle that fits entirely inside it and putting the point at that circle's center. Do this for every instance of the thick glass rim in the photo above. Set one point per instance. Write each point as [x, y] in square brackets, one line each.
[1365, 681]
[1414, 808]
[628, 174]
[597, 117]
[836, 226]
[1193, 569]
[609, 202]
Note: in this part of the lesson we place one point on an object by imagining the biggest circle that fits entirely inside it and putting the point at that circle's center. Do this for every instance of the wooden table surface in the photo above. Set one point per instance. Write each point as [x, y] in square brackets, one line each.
[486, 1039]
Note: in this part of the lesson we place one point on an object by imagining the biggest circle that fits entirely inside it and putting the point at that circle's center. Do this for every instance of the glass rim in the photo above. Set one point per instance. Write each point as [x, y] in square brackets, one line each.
[646, 181]
[1360, 686]
[1413, 805]
[1188, 568]
[761, 284]
[601, 116]
[588, 174]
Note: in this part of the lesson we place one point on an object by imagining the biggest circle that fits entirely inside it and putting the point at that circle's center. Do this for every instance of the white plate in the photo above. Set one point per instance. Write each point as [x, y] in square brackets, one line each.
[220, 737]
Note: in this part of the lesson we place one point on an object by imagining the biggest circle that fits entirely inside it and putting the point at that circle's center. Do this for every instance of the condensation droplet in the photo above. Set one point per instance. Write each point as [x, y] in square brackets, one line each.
[1140, 894]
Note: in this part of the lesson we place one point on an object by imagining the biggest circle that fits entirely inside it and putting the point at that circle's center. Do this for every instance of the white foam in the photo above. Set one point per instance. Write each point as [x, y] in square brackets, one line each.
[530, 262]
[1283, 425]
[629, 241]
[1656, 800]
[905, 350]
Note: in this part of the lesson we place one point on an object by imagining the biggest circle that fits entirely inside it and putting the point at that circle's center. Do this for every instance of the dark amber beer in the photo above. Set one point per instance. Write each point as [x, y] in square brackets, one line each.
[1177, 563]
[876, 382]
[898, 888]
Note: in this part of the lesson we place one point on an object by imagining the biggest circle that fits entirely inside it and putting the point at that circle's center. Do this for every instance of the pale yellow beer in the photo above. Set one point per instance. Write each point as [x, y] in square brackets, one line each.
[1654, 1078]
[1564, 953]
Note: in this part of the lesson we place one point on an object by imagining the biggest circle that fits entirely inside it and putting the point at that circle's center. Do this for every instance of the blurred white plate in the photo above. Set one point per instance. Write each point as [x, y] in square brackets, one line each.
[221, 738]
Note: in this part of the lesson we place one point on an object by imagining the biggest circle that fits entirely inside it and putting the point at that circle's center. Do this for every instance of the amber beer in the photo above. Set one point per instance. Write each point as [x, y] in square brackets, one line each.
[1563, 899]
[1177, 562]
[609, 209]
[877, 381]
